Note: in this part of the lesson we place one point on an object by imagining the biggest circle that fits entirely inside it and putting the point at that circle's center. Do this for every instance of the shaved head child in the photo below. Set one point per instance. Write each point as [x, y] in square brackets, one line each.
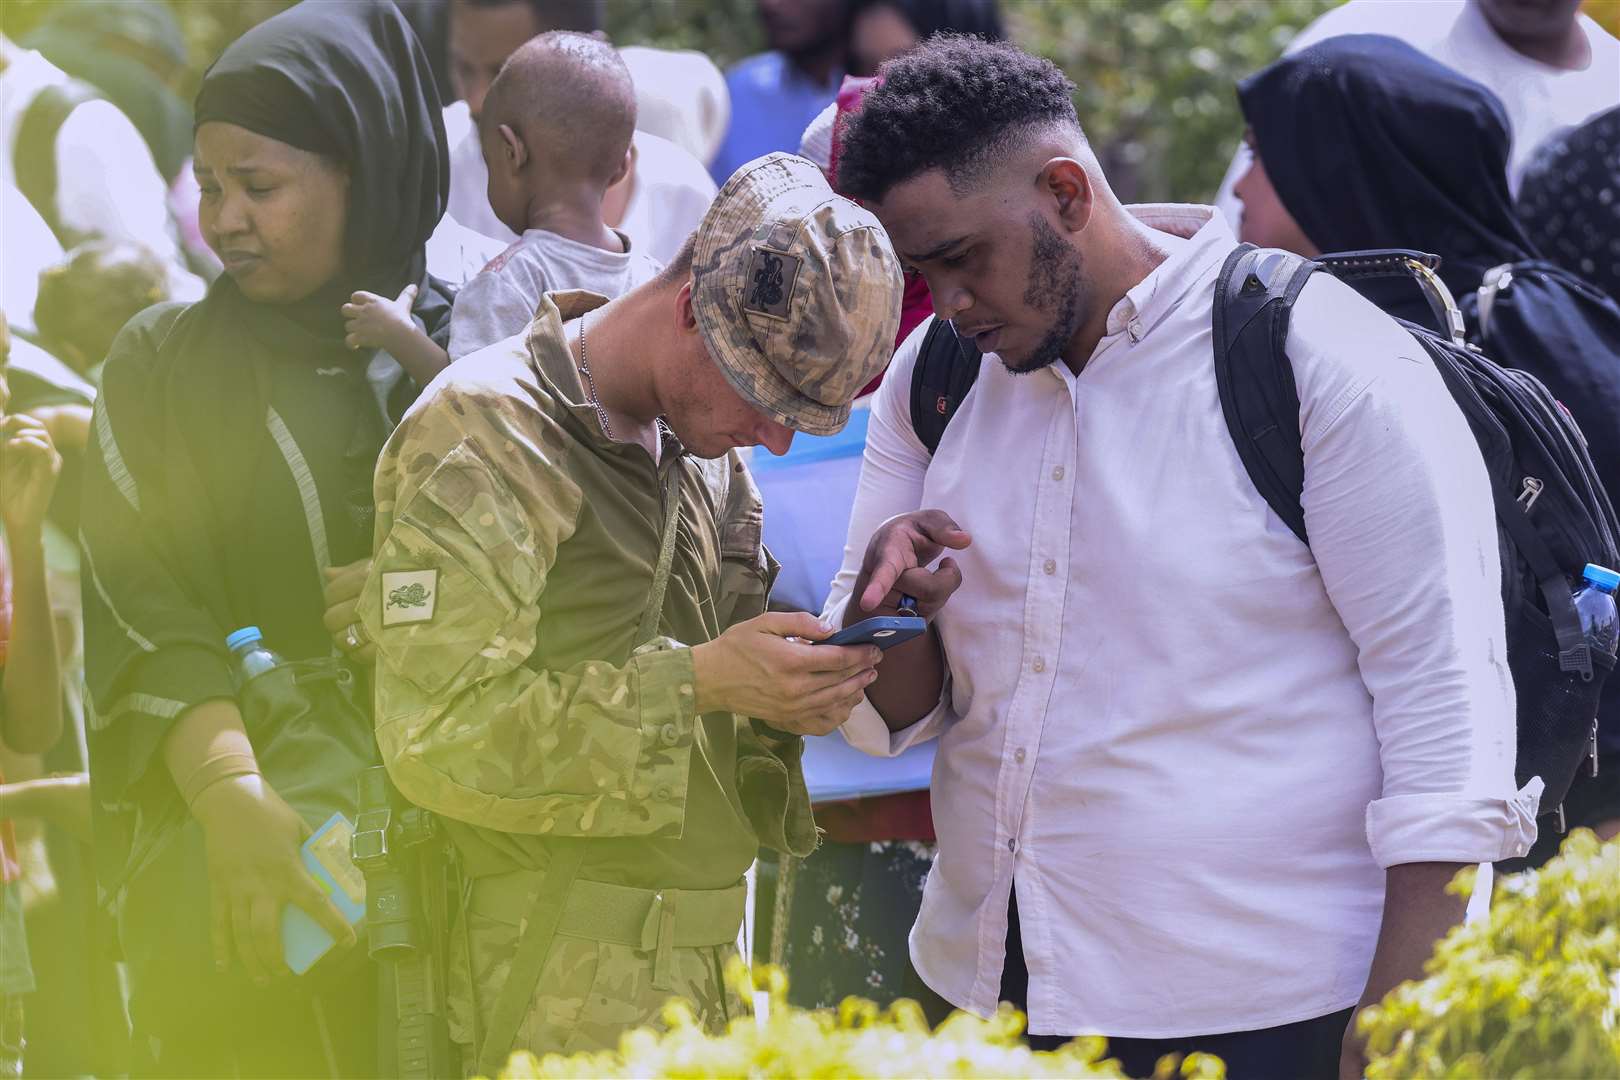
[555, 128]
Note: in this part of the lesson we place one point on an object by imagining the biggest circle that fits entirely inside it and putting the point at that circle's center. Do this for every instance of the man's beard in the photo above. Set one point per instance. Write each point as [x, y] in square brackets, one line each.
[1056, 284]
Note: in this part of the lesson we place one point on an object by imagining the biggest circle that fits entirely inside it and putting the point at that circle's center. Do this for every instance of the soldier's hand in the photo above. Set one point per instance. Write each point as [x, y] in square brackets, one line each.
[769, 668]
[342, 618]
[252, 838]
[896, 563]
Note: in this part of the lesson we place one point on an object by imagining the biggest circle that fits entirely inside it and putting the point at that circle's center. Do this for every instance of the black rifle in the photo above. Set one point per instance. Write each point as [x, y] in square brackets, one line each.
[409, 882]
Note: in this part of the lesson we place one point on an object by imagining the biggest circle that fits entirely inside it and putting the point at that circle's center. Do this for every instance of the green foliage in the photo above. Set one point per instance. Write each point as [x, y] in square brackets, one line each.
[1155, 77]
[856, 1039]
[1155, 80]
[727, 30]
[1532, 991]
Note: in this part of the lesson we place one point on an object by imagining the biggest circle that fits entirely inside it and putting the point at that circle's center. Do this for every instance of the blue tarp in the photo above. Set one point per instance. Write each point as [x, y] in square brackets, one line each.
[808, 494]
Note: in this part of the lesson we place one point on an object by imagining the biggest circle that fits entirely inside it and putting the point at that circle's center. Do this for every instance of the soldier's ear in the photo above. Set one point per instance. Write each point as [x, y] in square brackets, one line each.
[685, 317]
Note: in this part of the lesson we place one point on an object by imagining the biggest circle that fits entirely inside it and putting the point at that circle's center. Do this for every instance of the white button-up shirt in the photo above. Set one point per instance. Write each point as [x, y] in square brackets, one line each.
[1194, 742]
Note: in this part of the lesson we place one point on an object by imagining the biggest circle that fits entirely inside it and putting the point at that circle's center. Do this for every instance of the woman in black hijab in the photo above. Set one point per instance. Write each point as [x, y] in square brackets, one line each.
[1368, 143]
[1363, 142]
[230, 470]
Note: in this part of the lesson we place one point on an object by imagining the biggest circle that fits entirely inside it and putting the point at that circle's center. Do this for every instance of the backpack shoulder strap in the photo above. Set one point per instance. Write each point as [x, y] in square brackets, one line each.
[1254, 296]
[946, 369]
[34, 154]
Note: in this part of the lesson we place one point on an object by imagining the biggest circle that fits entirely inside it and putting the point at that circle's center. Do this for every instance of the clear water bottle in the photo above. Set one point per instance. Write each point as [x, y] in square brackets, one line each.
[1595, 601]
[252, 656]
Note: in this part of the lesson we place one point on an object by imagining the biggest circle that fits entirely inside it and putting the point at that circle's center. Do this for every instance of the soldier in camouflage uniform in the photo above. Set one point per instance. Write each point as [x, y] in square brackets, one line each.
[575, 668]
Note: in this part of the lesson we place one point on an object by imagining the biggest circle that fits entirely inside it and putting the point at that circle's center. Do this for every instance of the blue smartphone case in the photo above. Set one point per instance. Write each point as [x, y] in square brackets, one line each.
[326, 857]
[885, 631]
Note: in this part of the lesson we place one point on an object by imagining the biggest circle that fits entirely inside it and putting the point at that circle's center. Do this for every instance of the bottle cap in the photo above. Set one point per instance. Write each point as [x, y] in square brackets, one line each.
[248, 635]
[1602, 577]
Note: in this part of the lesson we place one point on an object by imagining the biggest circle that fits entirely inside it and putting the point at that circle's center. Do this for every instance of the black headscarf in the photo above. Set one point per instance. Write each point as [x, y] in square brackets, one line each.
[1570, 200]
[1371, 144]
[351, 82]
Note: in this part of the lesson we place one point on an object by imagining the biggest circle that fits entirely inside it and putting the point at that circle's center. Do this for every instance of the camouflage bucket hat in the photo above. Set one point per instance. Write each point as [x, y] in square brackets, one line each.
[796, 291]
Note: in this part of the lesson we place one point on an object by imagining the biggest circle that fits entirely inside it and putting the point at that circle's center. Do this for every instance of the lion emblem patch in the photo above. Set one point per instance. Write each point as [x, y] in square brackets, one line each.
[409, 596]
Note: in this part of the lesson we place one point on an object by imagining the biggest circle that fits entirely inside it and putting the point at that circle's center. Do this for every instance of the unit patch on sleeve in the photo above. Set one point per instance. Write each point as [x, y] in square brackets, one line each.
[409, 596]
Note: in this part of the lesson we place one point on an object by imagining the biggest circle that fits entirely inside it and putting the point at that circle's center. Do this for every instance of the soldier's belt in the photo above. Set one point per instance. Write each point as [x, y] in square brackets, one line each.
[618, 914]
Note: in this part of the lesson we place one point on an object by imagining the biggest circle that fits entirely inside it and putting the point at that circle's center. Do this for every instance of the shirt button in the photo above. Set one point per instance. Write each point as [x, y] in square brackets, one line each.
[1051, 566]
[1021, 755]
[1057, 473]
[1039, 665]
[669, 734]
[662, 794]
[1012, 845]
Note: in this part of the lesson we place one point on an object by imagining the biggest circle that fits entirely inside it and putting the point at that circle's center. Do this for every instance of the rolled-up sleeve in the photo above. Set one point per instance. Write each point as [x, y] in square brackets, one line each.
[893, 468]
[1400, 515]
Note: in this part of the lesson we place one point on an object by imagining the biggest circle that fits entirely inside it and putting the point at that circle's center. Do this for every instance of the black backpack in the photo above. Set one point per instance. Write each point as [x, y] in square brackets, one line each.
[1552, 513]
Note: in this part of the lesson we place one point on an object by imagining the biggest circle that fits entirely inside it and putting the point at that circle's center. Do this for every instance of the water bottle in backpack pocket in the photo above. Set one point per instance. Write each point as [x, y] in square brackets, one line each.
[1595, 601]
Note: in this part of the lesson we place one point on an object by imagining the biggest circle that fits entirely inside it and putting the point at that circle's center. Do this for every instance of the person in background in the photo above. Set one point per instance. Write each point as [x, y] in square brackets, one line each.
[556, 130]
[82, 163]
[229, 472]
[661, 198]
[1550, 65]
[77, 1022]
[134, 52]
[30, 680]
[1113, 824]
[30, 247]
[431, 21]
[1441, 141]
[1569, 201]
[85, 299]
[775, 94]
[883, 29]
[680, 96]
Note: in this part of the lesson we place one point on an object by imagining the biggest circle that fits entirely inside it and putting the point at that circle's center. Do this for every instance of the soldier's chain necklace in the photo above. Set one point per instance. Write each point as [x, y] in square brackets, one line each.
[659, 424]
[590, 384]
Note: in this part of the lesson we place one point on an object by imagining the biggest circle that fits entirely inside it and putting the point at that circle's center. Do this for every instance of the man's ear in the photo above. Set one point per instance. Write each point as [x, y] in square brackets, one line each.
[1066, 183]
[513, 148]
[685, 317]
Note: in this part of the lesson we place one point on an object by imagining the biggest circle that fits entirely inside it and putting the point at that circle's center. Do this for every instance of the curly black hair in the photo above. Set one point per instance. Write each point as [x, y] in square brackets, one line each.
[954, 102]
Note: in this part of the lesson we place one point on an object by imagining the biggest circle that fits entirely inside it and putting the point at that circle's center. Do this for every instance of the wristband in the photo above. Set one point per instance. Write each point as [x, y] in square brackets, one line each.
[221, 766]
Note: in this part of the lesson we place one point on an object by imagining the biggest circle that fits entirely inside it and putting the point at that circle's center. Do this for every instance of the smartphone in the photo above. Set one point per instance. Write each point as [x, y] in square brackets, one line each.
[327, 858]
[885, 631]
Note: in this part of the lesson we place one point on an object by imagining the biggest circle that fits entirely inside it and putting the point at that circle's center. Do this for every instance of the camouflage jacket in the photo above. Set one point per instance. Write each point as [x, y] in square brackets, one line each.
[516, 546]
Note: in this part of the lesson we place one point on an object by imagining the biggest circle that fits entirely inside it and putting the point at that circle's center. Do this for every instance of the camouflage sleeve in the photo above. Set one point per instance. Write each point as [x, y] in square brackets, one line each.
[465, 727]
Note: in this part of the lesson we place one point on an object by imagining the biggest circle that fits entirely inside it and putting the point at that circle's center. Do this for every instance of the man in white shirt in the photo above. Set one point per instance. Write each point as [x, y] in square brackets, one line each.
[1551, 66]
[1227, 775]
[666, 191]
